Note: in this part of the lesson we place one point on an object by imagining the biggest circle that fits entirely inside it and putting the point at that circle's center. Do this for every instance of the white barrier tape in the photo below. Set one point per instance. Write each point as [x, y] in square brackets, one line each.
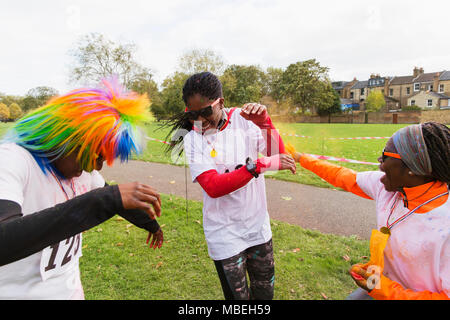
[153, 139]
[321, 157]
[352, 138]
[313, 155]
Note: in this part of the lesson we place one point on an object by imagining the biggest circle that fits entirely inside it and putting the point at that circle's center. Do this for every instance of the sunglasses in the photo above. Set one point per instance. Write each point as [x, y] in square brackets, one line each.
[389, 154]
[203, 112]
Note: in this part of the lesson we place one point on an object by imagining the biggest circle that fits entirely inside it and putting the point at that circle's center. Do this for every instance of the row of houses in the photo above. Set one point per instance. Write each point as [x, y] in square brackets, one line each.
[424, 90]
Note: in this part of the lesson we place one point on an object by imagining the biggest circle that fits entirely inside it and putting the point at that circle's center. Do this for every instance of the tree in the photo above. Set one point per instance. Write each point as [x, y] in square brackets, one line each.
[8, 99]
[4, 112]
[37, 97]
[171, 100]
[144, 83]
[305, 83]
[15, 112]
[330, 103]
[242, 84]
[200, 60]
[97, 57]
[375, 101]
[272, 82]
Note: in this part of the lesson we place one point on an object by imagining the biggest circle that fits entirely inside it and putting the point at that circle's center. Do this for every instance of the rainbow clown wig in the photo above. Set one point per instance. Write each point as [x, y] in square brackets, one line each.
[93, 122]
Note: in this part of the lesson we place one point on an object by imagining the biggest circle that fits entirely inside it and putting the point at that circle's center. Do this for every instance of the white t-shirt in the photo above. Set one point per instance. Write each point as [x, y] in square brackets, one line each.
[239, 220]
[52, 273]
[417, 254]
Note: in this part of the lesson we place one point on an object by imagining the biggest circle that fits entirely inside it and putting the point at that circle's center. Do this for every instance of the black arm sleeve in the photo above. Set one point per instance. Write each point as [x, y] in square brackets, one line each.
[23, 236]
[9, 210]
[139, 218]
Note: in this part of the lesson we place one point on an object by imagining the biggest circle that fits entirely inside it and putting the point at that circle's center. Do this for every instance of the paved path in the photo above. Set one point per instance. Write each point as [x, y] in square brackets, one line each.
[325, 210]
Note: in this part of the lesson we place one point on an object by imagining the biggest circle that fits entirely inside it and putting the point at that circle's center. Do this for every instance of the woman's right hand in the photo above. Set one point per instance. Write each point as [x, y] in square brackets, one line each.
[136, 195]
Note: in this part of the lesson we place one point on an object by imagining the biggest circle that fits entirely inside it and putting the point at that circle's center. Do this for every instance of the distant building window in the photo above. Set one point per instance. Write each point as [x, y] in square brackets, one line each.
[441, 88]
[413, 103]
[408, 90]
[416, 86]
[430, 87]
[391, 92]
[429, 103]
[362, 91]
[351, 95]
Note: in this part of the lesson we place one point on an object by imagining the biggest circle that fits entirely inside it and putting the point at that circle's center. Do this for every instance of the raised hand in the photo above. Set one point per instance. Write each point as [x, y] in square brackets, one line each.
[255, 112]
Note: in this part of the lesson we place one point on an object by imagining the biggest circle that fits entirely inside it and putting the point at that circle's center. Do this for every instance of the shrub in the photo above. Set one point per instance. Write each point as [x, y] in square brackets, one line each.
[4, 112]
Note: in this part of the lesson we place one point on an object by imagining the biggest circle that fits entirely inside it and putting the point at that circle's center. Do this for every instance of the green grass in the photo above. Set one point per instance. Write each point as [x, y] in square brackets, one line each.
[117, 264]
[362, 150]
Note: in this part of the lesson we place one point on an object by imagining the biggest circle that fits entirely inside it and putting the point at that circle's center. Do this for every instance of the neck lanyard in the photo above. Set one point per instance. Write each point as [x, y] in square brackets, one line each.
[403, 218]
[72, 186]
[213, 152]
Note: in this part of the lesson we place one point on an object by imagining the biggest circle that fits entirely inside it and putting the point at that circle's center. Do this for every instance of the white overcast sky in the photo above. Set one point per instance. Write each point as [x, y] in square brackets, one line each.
[354, 38]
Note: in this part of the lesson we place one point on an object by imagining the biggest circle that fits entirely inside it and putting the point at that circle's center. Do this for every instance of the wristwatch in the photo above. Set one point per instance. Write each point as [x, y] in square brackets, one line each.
[251, 167]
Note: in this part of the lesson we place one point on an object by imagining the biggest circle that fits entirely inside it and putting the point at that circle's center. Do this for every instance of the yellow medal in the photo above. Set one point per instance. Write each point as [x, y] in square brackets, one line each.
[213, 153]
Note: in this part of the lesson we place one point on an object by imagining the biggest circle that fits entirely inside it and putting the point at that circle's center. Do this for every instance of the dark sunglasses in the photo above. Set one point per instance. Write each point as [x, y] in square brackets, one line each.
[385, 155]
[204, 113]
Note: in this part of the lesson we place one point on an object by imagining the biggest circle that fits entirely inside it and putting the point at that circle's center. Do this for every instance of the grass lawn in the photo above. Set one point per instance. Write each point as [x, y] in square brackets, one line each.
[117, 264]
[363, 150]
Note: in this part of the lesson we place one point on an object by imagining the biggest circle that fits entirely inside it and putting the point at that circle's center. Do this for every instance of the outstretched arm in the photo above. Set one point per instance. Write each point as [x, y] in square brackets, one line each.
[22, 236]
[217, 185]
[338, 176]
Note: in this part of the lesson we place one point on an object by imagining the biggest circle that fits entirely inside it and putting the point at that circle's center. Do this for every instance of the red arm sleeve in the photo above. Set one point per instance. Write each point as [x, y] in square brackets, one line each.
[338, 176]
[274, 143]
[217, 185]
[391, 290]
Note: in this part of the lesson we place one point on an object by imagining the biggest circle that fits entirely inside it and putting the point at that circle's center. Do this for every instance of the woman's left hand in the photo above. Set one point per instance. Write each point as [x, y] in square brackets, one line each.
[157, 239]
[255, 112]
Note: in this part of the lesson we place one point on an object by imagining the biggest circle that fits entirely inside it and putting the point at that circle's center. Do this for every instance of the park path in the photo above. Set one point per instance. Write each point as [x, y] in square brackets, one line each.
[325, 210]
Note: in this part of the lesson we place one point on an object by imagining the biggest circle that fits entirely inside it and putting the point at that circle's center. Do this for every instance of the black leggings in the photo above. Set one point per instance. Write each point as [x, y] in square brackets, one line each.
[258, 262]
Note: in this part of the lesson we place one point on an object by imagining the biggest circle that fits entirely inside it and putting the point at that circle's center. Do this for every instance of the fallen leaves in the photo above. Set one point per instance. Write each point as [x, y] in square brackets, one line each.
[286, 198]
[346, 257]
[159, 264]
[324, 295]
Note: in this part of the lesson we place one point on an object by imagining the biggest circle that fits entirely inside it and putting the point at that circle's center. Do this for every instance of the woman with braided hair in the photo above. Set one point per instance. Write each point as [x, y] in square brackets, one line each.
[51, 190]
[222, 146]
[410, 253]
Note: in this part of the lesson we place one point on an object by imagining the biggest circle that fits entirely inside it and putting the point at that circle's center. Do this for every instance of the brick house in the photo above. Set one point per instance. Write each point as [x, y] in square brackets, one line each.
[399, 90]
[428, 100]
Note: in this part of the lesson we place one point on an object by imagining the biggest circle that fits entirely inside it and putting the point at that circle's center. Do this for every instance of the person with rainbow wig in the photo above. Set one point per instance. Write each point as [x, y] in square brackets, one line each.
[51, 190]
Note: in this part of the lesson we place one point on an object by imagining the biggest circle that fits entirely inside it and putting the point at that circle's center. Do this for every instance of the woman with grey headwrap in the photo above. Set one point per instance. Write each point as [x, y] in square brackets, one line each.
[412, 244]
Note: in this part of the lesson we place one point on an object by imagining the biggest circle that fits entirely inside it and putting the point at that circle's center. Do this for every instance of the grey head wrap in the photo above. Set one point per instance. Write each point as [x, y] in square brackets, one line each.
[411, 146]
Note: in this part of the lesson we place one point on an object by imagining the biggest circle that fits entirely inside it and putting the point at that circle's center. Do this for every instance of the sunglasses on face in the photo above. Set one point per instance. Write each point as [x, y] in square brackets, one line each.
[386, 154]
[203, 112]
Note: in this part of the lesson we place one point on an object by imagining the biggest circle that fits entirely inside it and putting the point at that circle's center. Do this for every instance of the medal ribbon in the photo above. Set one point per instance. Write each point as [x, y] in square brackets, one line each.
[402, 218]
[72, 186]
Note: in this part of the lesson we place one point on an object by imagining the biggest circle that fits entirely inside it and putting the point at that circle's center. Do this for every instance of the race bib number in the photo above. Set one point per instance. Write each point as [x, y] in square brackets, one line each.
[60, 257]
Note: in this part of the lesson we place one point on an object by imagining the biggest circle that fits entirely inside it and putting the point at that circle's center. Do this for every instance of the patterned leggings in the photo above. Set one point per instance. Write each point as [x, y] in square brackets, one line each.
[258, 262]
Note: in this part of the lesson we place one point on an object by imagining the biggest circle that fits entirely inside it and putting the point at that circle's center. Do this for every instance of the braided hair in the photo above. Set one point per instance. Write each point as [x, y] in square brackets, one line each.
[437, 139]
[207, 85]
